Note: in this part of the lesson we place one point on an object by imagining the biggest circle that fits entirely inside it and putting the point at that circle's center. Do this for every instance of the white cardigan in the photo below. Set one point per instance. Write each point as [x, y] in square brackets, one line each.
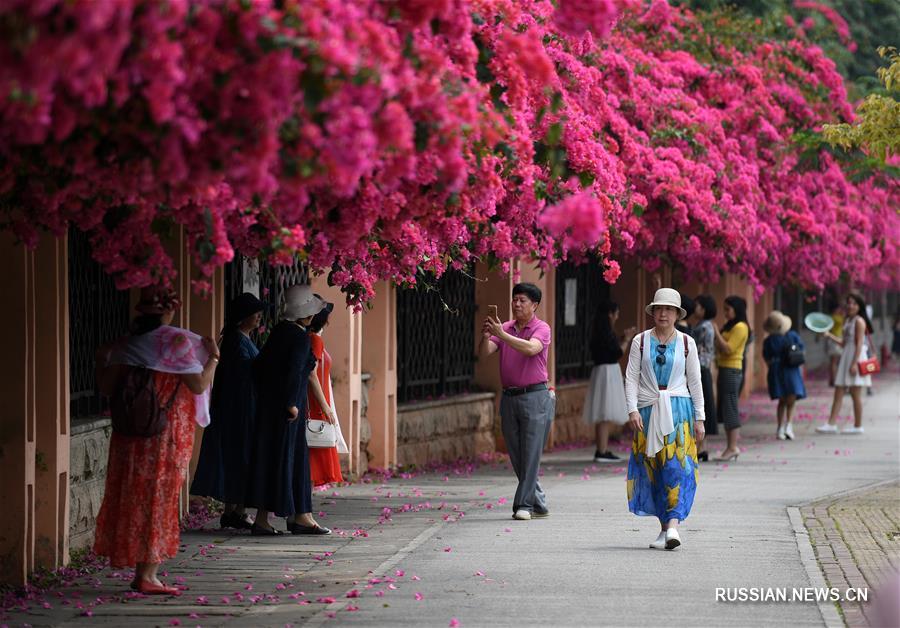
[642, 389]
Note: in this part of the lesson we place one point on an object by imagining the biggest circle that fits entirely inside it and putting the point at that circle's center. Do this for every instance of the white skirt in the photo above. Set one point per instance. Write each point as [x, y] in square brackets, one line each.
[605, 400]
[843, 377]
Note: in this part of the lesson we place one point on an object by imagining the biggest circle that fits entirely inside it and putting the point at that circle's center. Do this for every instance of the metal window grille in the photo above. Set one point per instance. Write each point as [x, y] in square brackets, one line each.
[436, 347]
[579, 290]
[98, 313]
[244, 274]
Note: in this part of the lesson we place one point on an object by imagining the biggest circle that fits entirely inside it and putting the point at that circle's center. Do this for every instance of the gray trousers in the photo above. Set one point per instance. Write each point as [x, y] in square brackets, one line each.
[525, 421]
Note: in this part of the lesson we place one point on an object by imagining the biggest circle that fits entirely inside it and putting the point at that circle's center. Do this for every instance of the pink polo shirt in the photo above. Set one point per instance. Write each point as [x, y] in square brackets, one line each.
[518, 369]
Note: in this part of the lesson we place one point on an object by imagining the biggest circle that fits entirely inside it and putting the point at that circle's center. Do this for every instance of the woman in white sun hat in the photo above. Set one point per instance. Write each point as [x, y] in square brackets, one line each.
[664, 396]
[279, 479]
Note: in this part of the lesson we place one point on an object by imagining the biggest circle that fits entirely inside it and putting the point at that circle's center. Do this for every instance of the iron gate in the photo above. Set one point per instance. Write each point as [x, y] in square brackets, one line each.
[436, 346]
[273, 280]
[98, 313]
[579, 290]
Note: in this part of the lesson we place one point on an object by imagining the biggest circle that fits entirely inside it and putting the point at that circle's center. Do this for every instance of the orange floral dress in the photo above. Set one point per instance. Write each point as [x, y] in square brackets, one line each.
[138, 520]
[324, 463]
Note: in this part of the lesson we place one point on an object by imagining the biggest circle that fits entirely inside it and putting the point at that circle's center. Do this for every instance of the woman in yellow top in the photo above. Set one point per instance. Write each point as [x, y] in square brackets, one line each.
[730, 344]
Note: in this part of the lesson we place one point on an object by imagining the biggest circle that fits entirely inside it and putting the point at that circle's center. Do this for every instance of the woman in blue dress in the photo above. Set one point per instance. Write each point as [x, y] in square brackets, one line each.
[225, 453]
[785, 381]
[664, 396]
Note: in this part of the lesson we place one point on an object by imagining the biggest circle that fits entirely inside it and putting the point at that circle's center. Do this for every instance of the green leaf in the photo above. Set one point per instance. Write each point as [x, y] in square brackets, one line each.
[556, 102]
[554, 133]
[422, 134]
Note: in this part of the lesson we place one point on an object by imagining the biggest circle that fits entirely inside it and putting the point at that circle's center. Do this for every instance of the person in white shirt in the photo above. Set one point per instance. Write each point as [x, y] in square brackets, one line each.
[664, 396]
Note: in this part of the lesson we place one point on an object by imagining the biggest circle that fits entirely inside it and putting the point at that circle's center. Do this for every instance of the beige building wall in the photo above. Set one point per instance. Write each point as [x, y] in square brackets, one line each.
[34, 409]
[379, 358]
[51, 362]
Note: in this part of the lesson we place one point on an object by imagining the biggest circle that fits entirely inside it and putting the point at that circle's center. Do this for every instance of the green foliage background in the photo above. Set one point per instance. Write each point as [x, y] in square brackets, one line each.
[873, 23]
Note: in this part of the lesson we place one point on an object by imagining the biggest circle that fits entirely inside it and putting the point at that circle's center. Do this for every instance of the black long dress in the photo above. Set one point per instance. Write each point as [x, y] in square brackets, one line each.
[279, 476]
[226, 453]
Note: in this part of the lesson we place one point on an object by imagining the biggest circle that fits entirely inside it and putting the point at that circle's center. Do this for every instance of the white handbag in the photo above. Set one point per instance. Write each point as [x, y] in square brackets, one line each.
[320, 433]
[323, 433]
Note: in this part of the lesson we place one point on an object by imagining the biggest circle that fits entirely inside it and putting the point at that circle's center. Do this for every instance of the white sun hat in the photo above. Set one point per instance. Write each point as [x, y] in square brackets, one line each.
[667, 296]
[300, 302]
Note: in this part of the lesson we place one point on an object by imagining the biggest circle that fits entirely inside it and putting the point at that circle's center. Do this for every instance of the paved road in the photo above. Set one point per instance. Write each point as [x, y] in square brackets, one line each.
[448, 550]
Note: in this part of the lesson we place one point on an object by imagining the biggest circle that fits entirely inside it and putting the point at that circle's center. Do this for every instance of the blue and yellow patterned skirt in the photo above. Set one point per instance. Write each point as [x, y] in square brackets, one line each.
[664, 485]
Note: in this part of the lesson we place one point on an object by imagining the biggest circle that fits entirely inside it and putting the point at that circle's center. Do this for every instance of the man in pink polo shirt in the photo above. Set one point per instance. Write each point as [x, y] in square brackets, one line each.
[527, 406]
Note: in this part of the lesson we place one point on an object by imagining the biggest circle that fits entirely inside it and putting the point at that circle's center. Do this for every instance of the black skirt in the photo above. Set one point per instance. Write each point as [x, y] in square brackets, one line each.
[728, 390]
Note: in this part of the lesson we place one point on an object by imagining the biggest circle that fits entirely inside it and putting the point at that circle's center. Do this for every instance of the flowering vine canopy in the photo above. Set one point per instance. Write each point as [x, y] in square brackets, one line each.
[379, 138]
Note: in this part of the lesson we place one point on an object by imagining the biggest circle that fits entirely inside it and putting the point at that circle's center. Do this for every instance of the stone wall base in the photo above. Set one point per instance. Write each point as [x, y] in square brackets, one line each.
[445, 430]
[89, 451]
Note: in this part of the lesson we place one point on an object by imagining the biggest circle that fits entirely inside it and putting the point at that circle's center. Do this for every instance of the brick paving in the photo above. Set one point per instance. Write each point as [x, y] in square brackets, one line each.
[856, 538]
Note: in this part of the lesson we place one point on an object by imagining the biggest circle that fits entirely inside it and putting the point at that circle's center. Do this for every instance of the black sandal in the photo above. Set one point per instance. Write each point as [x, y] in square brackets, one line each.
[242, 522]
[299, 528]
[256, 530]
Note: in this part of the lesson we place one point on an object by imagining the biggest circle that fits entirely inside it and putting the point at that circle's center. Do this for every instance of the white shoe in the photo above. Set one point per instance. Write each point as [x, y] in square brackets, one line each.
[522, 515]
[850, 429]
[828, 428]
[660, 542]
[780, 434]
[672, 539]
[789, 431]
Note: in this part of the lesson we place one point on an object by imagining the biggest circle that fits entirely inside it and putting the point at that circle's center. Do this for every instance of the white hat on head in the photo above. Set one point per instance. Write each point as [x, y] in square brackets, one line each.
[667, 296]
[300, 302]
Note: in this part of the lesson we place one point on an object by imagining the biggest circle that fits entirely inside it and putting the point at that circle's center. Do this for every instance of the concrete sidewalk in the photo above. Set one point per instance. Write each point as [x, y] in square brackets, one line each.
[440, 548]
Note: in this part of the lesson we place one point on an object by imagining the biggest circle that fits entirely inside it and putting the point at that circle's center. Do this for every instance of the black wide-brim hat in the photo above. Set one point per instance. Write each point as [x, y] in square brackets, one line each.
[243, 306]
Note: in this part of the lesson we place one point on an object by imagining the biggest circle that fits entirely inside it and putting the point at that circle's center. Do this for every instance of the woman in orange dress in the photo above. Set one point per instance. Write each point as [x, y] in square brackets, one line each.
[324, 463]
[138, 521]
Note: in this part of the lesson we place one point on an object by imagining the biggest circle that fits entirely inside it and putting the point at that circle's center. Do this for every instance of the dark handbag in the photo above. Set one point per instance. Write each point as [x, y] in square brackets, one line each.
[794, 355]
[135, 408]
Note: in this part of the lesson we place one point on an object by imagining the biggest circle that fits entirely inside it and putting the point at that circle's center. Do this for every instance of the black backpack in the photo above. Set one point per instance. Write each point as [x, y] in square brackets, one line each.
[793, 355]
[135, 407]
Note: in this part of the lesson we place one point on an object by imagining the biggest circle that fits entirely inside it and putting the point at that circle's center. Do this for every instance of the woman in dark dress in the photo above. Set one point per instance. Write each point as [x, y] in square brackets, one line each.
[227, 442]
[704, 334]
[785, 382]
[279, 475]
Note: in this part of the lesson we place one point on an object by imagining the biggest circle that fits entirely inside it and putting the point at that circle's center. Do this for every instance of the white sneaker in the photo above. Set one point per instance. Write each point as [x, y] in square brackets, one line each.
[828, 428]
[672, 539]
[789, 431]
[780, 434]
[522, 515]
[660, 542]
[850, 429]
